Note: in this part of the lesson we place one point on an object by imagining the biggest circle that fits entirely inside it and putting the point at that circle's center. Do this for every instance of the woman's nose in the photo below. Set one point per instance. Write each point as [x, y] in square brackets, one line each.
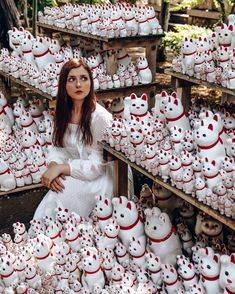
[78, 84]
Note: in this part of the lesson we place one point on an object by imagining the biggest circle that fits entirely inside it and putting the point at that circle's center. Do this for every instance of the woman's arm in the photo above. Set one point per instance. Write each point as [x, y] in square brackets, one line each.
[56, 155]
[87, 169]
[52, 177]
[56, 158]
[83, 169]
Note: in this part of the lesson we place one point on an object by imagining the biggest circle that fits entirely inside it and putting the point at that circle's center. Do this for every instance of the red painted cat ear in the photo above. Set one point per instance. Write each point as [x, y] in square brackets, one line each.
[210, 127]
[216, 258]
[173, 94]
[144, 97]
[128, 205]
[164, 94]
[133, 96]
[232, 258]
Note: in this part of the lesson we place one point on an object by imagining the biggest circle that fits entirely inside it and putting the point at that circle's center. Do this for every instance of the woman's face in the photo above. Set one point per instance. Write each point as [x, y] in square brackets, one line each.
[78, 83]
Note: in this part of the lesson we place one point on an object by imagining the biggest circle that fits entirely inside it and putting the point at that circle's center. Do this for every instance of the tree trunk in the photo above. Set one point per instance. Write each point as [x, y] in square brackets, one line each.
[26, 13]
[35, 16]
[165, 15]
[164, 22]
[232, 9]
[223, 12]
[9, 18]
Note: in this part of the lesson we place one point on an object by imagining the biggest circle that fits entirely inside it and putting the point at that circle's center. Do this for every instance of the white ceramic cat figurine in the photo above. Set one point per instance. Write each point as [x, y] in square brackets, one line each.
[103, 211]
[41, 53]
[128, 218]
[139, 107]
[145, 74]
[7, 179]
[227, 278]
[170, 278]
[210, 269]
[92, 272]
[174, 113]
[189, 51]
[162, 237]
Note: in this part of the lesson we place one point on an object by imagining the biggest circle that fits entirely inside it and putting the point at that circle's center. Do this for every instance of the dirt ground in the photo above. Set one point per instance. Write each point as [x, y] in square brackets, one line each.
[197, 91]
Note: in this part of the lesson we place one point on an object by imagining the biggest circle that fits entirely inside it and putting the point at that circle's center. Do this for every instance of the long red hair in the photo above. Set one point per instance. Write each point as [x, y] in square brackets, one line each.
[64, 106]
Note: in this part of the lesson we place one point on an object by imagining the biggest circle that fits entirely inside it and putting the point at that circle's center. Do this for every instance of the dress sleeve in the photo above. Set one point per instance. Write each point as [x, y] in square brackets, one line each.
[57, 154]
[92, 167]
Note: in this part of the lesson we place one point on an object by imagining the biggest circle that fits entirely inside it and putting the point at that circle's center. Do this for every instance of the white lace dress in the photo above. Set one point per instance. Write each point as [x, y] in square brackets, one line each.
[90, 176]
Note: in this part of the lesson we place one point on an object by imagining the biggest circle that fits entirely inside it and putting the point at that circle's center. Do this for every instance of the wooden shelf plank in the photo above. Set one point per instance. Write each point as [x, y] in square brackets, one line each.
[193, 80]
[26, 85]
[127, 88]
[213, 213]
[126, 91]
[21, 189]
[204, 13]
[120, 40]
[101, 94]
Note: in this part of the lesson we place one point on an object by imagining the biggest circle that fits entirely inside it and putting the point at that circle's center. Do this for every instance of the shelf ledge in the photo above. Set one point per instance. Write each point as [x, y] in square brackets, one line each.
[22, 189]
[213, 213]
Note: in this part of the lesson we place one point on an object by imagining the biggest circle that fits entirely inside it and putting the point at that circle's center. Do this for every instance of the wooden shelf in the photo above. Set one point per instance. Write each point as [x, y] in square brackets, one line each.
[100, 44]
[120, 40]
[126, 91]
[195, 81]
[204, 13]
[21, 189]
[215, 214]
[25, 85]
[100, 94]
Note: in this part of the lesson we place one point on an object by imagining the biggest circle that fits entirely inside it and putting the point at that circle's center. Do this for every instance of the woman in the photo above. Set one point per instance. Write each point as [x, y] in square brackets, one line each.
[76, 172]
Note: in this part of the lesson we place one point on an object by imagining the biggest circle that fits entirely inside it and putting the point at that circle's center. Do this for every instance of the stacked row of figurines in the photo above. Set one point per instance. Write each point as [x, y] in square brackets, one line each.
[190, 226]
[195, 152]
[211, 57]
[26, 132]
[38, 61]
[106, 20]
[121, 249]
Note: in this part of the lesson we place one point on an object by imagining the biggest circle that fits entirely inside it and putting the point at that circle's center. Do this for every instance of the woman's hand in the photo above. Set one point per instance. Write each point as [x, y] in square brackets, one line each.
[52, 177]
[50, 174]
[57, 185]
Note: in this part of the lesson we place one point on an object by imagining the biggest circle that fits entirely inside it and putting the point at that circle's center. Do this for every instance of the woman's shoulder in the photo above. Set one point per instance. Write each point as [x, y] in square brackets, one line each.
[101, 114]
[101, 119]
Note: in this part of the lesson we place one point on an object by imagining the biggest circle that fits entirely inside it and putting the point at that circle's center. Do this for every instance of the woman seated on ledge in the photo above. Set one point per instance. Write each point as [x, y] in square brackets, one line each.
[76, 172]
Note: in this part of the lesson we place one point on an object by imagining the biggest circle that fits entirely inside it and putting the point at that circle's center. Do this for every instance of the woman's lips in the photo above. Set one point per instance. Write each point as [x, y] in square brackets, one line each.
[78, 92]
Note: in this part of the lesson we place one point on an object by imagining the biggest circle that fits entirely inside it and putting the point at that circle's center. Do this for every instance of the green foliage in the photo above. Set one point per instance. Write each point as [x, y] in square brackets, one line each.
[186, 4]
[44, 3]
[83, 1]
[41, 4]
[172, 40]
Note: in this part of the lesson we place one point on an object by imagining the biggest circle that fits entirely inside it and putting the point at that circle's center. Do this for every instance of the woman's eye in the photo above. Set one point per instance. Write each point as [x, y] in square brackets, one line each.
[70, 79]
[84, 78]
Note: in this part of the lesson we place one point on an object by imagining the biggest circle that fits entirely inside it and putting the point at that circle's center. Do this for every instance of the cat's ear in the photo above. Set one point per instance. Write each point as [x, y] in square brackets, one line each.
[144, 97]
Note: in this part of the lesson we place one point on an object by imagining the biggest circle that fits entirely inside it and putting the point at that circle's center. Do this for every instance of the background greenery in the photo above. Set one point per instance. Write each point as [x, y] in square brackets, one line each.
[172, 40]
